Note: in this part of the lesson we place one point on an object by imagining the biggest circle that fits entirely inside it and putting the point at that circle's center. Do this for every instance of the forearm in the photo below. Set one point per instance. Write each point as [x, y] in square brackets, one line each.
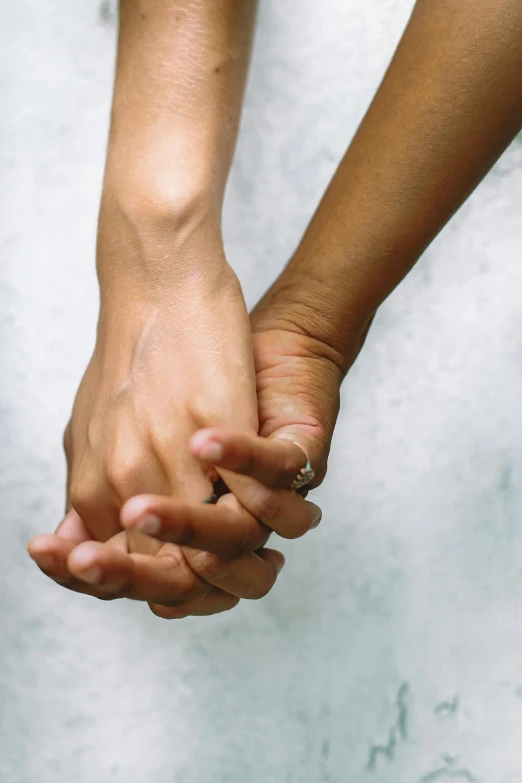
[448, 106]
[180, 75]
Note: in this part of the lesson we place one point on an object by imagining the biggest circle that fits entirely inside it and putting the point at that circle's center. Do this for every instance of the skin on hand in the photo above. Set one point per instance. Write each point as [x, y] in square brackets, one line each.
[456, 76]
[165, 580]
[215, 554]
[173, 349]
[165, 364]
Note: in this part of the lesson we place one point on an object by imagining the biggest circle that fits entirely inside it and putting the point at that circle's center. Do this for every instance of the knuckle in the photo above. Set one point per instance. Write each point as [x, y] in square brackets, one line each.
[84, 498]
[192, 589]
[88, 486]
[122, 475]
[210, 568]
[248, 538]
[188, 585]
[265, 504]
[175, 559]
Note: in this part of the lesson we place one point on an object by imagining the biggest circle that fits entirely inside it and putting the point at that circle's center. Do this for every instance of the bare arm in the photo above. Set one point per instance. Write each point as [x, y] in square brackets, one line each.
[173, 351]
[173, 348]
[450, 103]
[180, 74]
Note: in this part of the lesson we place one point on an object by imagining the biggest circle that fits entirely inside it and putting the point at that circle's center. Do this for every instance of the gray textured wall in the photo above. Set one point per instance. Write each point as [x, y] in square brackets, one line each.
[391, 648]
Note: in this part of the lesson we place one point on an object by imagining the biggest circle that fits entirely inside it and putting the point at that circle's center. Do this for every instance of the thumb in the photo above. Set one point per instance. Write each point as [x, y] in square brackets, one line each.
[314, 443]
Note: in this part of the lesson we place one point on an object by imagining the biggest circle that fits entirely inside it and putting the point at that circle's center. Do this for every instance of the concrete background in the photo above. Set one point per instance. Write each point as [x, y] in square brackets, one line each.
[391, 648]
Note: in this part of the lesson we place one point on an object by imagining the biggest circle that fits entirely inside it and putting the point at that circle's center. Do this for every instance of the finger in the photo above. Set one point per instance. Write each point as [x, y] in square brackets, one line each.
[310, 440]
[164, 578]
[51, 552]
[274, 463]
[251, 576]
[285, 512]
[72, 528]
[225, 531]
[174, 576]
[98, 508]
[212, 603]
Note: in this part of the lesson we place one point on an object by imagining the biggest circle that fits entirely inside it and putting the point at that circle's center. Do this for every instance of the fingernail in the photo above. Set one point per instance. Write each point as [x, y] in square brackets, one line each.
[280, 562]
[91, 575]
[150, 524]
[211, 451]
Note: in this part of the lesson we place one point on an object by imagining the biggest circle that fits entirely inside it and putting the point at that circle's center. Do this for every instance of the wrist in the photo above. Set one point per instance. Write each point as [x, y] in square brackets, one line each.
[153, 238]
[150, 194]
[164, 165]
[307, 304]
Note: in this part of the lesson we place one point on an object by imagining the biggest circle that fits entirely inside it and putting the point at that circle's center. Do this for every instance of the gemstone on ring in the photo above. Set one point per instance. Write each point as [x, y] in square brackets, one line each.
[303, 478]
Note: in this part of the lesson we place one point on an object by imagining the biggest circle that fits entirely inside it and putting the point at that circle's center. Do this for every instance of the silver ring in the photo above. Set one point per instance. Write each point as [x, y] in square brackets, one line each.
[303, 478]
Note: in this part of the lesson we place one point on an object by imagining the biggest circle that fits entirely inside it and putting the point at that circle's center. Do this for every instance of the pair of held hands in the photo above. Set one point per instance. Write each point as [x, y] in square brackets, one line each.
[183, 387]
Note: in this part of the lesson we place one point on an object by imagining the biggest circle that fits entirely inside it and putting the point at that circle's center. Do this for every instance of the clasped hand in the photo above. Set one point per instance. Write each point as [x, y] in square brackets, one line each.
[182, 389]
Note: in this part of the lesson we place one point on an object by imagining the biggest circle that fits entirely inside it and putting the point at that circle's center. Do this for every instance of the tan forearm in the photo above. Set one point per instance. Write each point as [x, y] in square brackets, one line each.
[180, 74]
[448, 106]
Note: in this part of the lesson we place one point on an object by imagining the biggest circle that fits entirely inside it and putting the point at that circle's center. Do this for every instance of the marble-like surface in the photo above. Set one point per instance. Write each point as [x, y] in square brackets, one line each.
[391, 648]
